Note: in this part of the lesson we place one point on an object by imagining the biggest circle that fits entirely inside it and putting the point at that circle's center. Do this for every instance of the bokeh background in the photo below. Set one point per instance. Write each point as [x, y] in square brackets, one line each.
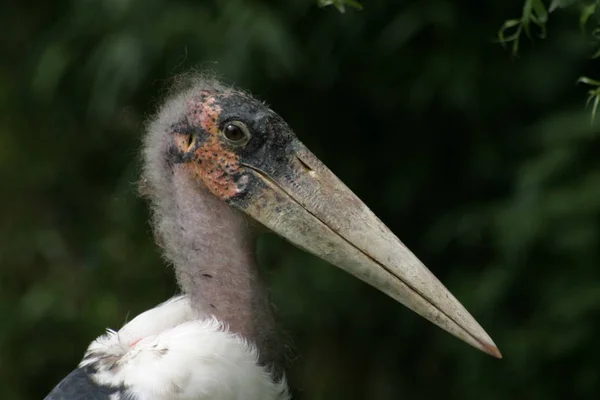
[485, 165]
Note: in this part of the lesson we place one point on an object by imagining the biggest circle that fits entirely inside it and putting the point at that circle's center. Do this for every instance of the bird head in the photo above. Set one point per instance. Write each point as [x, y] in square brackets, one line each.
[247, 156]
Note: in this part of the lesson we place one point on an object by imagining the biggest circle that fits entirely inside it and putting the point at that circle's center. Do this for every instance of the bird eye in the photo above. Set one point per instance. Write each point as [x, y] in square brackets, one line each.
[236, 133]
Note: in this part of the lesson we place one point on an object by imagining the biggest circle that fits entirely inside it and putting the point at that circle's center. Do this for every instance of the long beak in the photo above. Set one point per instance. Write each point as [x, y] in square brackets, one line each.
[300, 199]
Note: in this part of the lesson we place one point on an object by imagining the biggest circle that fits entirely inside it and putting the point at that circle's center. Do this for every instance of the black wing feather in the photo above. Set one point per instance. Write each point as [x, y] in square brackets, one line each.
[79, 385]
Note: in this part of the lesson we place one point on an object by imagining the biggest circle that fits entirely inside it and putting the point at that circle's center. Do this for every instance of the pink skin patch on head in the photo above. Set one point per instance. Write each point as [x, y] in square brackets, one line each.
[214, 162]
[204, 113]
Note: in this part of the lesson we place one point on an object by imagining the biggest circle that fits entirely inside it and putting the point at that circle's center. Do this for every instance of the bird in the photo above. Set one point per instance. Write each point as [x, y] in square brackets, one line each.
[220, 168]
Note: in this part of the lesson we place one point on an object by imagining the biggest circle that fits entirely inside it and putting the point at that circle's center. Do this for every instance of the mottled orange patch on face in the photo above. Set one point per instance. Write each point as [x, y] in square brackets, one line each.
[204, 113]
[216, 165]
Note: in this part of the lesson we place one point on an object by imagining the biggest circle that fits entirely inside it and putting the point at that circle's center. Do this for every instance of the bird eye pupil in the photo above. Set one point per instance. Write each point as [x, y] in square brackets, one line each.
[236, 133]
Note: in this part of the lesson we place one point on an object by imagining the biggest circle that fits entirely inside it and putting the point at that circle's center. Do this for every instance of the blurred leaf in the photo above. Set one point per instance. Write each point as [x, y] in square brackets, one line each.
[534, 12]
[586, 12]
[514, 37]
[340, 4]
[560, 4]
[593, 94]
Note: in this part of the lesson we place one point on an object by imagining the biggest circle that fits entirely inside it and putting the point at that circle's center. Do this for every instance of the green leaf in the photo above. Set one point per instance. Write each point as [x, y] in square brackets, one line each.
[586, 12]
[510, 24]
[595, 106]
[514, 37]
[340, 4]
[588, 81]
[593, 94]
[541, 25]
[540, 12]
[353, 3]
[534, 11]
[560, 4]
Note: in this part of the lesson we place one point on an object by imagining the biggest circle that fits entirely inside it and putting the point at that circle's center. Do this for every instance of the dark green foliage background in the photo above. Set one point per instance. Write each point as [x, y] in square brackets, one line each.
[487, 167]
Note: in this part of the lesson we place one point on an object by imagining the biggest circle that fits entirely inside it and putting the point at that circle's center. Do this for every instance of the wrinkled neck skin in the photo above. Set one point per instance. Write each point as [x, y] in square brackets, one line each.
[212, 247]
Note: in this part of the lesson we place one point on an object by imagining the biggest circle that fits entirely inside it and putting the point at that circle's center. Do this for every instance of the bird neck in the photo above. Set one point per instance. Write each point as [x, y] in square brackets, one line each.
[212, 248]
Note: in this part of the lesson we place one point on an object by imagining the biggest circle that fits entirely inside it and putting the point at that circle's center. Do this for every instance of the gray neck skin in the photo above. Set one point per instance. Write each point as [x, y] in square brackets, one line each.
[213, 249]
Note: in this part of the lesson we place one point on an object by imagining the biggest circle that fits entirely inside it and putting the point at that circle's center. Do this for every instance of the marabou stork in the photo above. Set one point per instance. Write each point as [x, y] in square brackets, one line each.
[220, 167]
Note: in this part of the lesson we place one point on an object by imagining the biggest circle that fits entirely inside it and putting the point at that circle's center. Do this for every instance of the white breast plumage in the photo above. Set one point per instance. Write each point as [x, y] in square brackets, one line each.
[165, 354]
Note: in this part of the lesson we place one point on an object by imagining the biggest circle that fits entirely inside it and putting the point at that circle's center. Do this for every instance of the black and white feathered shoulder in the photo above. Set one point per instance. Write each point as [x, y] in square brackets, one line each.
[166, 353]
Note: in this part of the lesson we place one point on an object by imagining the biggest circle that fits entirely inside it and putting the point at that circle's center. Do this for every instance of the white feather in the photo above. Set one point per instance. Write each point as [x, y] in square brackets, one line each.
[167, 354]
